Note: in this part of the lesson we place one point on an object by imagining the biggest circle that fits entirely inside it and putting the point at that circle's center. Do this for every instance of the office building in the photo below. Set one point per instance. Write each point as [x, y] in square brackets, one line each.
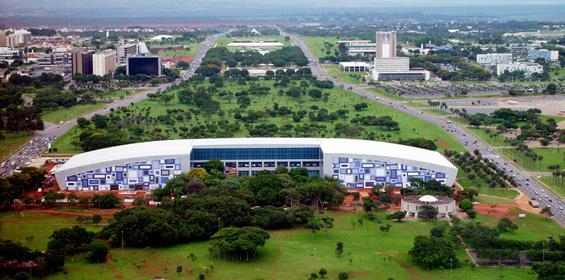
[125, 51]
[82, 62]
[104, 62]
[528, 68]
[392, 64]
[18, 38]
[146, 65]
[547, 55]
[354, 163]
[386, 44]
[3, 39]
[494, 58]
[56, 58]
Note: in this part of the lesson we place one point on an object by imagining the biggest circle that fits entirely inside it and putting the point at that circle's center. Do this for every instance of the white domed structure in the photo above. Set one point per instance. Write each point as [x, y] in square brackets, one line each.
[411, 204]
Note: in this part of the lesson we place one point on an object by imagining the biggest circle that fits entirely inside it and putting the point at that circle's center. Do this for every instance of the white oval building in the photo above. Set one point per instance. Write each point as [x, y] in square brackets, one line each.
[356, 163]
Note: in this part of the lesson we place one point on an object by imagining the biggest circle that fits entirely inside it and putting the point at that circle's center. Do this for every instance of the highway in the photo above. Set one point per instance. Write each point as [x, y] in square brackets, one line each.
[528, 186]
[41, 139]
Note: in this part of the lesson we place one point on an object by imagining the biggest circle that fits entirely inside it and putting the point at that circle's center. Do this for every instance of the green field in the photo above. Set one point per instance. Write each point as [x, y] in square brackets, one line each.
[11, 143]
[338, 99]
[289, 254]
[551, 156]
[65, 114]
[191, 51]
[554, 184]
[532, 227]
[320, 46]
[224, 41]
[64, 142]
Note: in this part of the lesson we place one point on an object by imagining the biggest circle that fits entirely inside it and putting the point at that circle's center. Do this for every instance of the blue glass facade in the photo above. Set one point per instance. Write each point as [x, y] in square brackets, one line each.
[255, 153]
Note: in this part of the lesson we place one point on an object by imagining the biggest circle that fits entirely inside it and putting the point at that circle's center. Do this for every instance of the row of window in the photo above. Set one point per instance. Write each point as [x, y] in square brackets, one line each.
[255, 153]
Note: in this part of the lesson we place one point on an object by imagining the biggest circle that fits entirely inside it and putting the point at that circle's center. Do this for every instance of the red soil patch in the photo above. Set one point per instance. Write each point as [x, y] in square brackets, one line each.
[495, 210]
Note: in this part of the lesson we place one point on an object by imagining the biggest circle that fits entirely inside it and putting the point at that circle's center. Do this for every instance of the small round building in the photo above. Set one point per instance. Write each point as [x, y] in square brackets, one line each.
[411, 204]
[355, 163]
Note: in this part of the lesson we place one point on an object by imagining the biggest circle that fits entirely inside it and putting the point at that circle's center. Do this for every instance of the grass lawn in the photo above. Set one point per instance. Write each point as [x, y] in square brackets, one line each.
[347, 77]
[550, 156]
[191, 51]
[321, 46]
[532, 227]
[338, 99]
[288, 254]
[224, 41]
[12, 142]
[496, 196]
[64, 142]
[556, 186]
[65, 114]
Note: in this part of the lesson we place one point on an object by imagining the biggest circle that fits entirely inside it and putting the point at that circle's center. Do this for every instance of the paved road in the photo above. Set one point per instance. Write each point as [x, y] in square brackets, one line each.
[41, 139]
[526, 184]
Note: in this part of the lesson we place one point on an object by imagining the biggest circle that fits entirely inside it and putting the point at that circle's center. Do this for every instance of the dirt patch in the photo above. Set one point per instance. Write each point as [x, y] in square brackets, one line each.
[495, 210]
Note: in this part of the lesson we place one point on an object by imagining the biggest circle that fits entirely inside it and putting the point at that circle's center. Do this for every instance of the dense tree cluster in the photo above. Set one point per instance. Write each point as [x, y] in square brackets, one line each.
[434, 251]
[481, 171]
[238, 244]
[17, 261]
[195, 206]
[14, 186]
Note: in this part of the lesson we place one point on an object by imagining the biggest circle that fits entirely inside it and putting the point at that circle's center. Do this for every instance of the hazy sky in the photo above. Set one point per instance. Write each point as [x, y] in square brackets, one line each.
[226, 7]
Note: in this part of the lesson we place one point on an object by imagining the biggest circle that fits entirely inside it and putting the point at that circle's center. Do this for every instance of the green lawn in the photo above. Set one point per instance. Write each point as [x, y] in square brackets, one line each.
[224, 41]
[288, 254]
[338, 99]
[321, 46]
[64, 142]
[550, 156]
[191, 51]
[354, 78]
[11, 143]
[64, 114]
[556, 185]
[532, 227]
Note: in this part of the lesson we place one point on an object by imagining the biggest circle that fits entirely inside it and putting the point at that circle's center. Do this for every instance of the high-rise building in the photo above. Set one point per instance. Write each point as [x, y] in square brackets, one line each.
[19, 37]
[386, 44]
[104, 62]
[82, 62]
[3, 39]
[125, 51]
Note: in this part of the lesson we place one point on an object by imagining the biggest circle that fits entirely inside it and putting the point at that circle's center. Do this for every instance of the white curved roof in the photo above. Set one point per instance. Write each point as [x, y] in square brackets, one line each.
[175, 148]
[427, 198]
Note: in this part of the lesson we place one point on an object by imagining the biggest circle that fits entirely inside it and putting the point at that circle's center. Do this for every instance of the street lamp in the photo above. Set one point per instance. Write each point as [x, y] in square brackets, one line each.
[122, 240]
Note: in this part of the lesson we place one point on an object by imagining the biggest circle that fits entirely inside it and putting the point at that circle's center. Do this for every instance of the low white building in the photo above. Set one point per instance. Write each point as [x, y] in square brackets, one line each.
[411, 204]
[494, 58]
[528, 68]
[354, 66]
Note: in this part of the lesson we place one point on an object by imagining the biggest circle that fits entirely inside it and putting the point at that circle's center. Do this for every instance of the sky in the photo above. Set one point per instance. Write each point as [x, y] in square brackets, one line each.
[94, 8]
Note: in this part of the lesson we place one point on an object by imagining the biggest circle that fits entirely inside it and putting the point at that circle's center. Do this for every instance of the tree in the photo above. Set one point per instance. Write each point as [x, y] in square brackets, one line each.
[214, 166]
[106, 201]
[432, 252]
[238, 244]
[505, 225]
[427, 212]
[370, 204]
[465, 204]
[339, 248]
[69, 241]
[96, 219]
[398, 216]
[97, 251]
[343, 276]
[323, 272]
